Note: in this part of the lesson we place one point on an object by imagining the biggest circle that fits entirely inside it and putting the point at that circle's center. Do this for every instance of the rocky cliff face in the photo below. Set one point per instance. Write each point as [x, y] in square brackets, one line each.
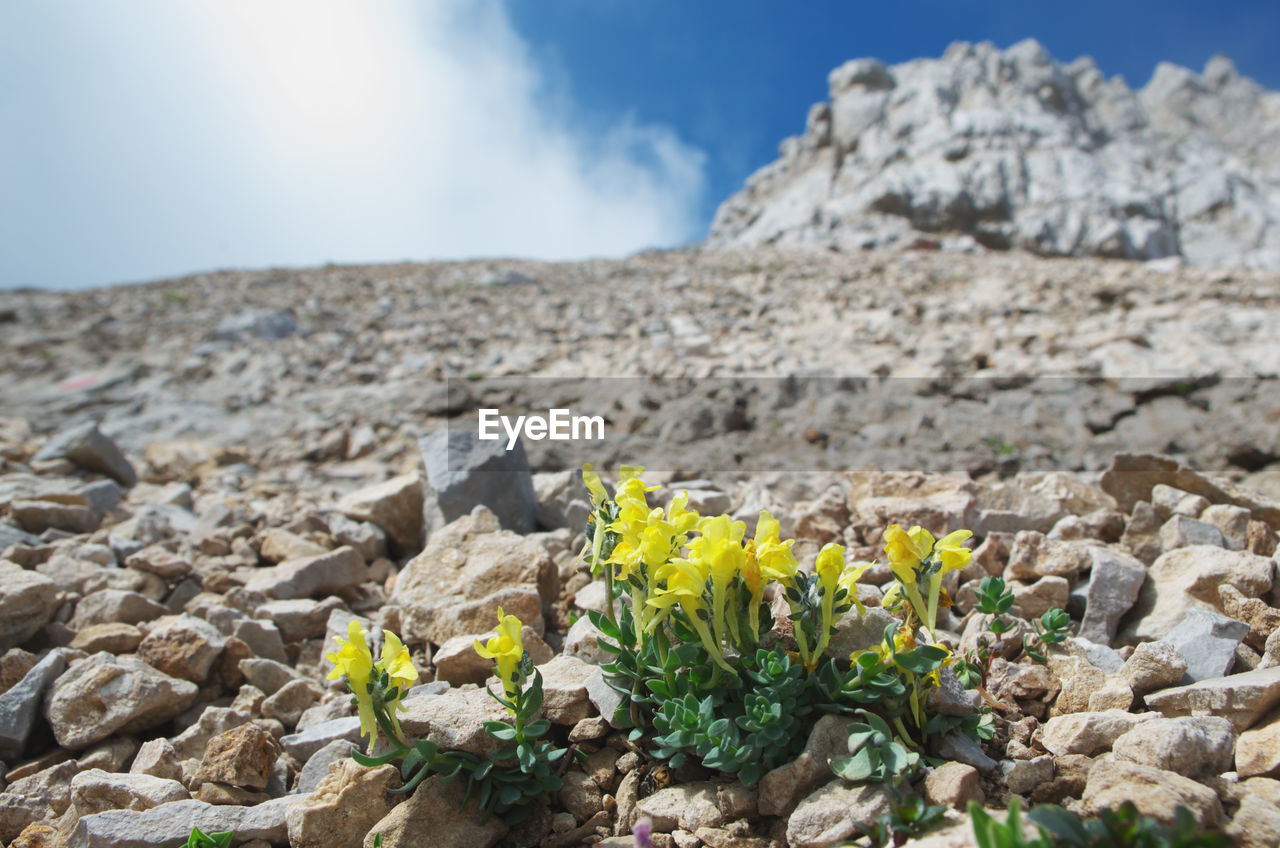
[1011, 149]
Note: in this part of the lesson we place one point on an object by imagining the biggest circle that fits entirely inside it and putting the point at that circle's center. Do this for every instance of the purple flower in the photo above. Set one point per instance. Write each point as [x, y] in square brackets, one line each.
[641, 831]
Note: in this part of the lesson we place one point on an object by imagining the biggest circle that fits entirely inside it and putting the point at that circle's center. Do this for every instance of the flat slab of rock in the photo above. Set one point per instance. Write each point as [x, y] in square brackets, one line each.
[1114, 581]
[1192, 746]
[1207, 640]
[304, 743]
[1088, 733]
[105, 694]
[831, 814]
[316, 576]
[170, 824]
[1155, 792]
[1240, 698]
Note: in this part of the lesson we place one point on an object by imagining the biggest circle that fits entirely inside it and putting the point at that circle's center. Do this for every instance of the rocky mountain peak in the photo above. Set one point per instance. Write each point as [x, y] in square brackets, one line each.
[1013, 149]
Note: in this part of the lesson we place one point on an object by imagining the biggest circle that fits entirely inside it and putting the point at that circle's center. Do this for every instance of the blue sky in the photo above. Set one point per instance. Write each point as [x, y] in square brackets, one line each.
[146, 138]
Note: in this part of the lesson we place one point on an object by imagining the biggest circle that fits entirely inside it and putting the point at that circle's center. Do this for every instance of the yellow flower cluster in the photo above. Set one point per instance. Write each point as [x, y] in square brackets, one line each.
[717, 578]
[506, 649]
[914, 554]
[354, 660]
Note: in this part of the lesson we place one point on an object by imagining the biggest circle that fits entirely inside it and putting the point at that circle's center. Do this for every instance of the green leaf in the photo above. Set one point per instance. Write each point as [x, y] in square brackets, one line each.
[500, 730]
[604, 625]
[374, 762]
[534, 729]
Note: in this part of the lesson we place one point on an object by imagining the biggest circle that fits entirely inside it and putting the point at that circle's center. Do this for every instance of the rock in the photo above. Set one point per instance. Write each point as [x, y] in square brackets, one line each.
[783, 787]
[933, 142]
[464, 472]
[1041, 596]
[182, 646]
[580, 795]
[44, 795]
[300, 618]
[279, 545]
[1207, 641]
[604, 697]
[853, 632]
[1132, 477]
[958, 747]
[1258, 750]
[468, 570]
[950, 698]
[87, 447]
[1114, 694]
[953, 785]
[1239, 698]
[1088, 733]
[289, 703]
[304, 743]
[395, 506]
[1169, 501]
[268, 675]
[27, 603]
[255, 324]
[694, 805]
[112, 755]
[1153, 665]
[1256, 823]
[1023, 776]
[105, 694]
[1187, 578]
[1156, 793]
[95, 791]
[190, 743]
[831, 814]
[20, 704]
[1232, 522]
[318, 764]
[1181, 531]
[435, 815]
[113, 637]
[243, 756]
[1263, 620]
[582, 642]
[1192, 746]
[366, 537]
[454, 720]
[157, 759]
[316, 576]
[1114, 582]
[171, 824]
[564, 686]
[1033, 556]
[38, 516]
[344, 807]
[115, 605]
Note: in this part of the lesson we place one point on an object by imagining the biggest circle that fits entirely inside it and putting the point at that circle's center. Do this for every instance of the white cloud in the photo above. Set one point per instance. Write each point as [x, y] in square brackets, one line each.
[146, 138]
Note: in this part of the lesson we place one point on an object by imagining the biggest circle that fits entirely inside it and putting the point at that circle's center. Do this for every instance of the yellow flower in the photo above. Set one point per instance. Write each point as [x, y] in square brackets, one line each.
[395, 661]
[719, 551]
[849, 582]
[906, 550]
[774, 555]
[355, 660]
[951, 550]
[594, 486]
[506, 649]
[683, 582]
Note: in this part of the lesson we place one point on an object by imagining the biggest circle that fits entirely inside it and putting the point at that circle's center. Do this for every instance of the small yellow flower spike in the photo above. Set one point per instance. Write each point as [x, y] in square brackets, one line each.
[682, 582]
[506, 649]
[719, 550]
[396, 661]
[829, 566]
[594, 486]
[355, 660]
[952, 552]
[777, 563]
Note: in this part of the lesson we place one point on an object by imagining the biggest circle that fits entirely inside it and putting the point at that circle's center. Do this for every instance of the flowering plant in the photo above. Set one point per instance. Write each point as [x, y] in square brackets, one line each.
[510, 779]
[700, 658]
